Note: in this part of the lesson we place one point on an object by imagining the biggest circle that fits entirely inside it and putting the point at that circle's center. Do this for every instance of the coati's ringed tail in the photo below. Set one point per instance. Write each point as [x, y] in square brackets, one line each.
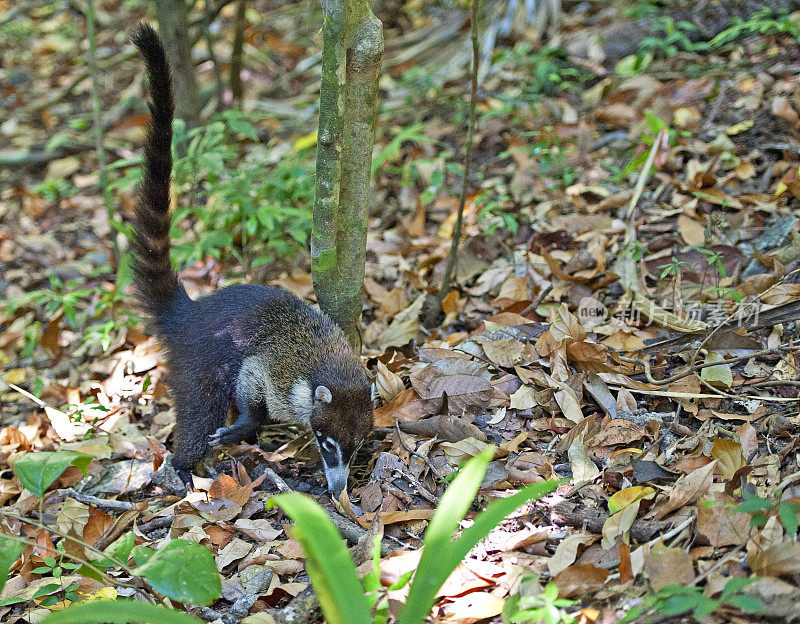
[156, 284]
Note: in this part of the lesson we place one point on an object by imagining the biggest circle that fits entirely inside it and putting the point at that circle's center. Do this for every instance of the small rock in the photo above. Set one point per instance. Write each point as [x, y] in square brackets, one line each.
[255, 579]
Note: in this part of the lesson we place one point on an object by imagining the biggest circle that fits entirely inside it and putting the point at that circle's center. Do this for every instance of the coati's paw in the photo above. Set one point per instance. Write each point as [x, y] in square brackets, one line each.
[225, 436]
[186, 477]
[172, 480]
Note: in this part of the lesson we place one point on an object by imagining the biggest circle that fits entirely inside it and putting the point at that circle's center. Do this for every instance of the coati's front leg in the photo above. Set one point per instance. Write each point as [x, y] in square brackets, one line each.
[194, 423]
[250, 420]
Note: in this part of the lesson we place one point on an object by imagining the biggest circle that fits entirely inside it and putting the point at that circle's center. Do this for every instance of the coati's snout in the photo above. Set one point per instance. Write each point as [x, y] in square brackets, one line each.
[340, 420]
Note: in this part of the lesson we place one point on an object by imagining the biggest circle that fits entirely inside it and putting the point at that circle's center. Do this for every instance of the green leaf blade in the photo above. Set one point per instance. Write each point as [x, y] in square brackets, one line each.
[441, 555]
[328, 562]
[118, 612]
[10, 551]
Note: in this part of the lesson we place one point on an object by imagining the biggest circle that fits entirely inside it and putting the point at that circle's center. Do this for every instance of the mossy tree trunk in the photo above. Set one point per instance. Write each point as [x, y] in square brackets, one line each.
[173, 25]
[351, 62]
[236, 52]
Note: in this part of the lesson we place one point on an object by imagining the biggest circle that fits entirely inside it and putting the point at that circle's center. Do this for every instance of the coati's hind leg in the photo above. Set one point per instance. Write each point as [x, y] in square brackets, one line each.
[195, 422]
[251, 418]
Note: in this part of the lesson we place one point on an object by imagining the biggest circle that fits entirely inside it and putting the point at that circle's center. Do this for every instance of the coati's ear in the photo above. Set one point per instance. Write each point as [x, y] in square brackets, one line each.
[323, 395]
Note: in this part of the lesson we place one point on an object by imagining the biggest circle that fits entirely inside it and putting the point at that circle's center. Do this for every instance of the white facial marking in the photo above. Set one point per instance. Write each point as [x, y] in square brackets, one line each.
[300, 398]
[336, 473]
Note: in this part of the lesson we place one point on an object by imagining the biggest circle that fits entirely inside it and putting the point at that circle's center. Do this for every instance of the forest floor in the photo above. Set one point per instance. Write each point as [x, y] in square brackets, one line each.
[640, 341]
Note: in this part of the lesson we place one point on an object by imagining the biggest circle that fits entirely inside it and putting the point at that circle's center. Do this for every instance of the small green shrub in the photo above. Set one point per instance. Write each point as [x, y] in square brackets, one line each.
[761, 509]
[333, 573]
[670, 38]
[763, 22]
[55, 190]
[181, 570]
[254, 213]
[673, 600]
[96, 313]
[496, 212]
[654, 124]
[532, 604]
[543, 72]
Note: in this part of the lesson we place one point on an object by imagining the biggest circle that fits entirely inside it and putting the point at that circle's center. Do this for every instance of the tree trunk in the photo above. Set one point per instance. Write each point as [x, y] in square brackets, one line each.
[173, 24]
[351, 62]
[236, 53]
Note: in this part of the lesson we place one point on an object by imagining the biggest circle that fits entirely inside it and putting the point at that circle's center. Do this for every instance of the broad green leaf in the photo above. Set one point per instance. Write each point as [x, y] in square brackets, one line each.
[735, 585]
[787, 512]
[44, 590]
[182, 570]
[441, 555]
[122, 546]
[37, 471]
[119, 552]
[10, 550]
[328, 562]
[119, 612]
[89, 572]
[746, 603]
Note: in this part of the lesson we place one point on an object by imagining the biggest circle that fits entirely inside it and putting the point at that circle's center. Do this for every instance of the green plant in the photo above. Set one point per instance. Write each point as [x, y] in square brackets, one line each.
[242, 210]
[643, 8]
[673, 267]
[75, 413]
[55, 592]
[546, 71]
[17, 30]
[635, 249]
[180, 570]
[377, 595]
[670, 37]
[37, 471]
[496, 212]
[97, 313]
[654, 124]
[333, 573]
[10, 551]
[763, 22]
[761, 509]
[532, 604]
[55, 190]
[410, 134]
[550, 156]
[674, 600]
[119, 612]
[419, 83]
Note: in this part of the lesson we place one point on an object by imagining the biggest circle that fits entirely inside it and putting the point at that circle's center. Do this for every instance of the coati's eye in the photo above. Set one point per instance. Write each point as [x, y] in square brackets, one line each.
[328, 445]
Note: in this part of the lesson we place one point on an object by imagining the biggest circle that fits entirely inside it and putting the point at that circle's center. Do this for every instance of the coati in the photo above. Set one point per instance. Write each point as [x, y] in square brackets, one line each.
[259, 348]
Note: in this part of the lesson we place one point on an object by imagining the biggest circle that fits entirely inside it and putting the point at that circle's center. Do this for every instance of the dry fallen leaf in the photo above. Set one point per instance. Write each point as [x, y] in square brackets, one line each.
[668, 566]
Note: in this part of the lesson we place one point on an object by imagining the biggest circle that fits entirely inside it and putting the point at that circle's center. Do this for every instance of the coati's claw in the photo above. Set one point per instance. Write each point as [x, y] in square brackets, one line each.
[224, 436]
